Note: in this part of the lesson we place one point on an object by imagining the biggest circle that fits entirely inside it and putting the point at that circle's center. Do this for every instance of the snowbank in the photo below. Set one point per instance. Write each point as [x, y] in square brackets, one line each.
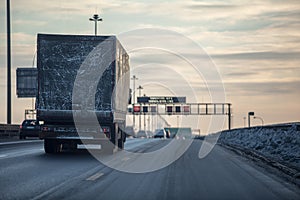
[280, 142]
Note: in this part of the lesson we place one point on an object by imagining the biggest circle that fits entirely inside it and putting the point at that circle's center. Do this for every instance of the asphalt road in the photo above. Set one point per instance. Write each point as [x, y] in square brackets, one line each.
[26, 172]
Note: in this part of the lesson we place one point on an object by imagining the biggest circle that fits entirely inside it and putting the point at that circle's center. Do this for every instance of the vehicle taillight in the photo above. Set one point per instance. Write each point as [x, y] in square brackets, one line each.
[106, 131]
[45, 128]
[20, 126]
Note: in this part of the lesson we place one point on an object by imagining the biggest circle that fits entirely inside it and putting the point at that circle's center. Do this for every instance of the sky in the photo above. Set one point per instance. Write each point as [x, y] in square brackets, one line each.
[255, 46]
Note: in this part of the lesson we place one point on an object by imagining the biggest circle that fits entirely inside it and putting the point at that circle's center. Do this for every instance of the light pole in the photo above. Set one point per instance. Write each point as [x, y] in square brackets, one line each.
[96, 19]
[144, 118]
[134, 78]
[250, 114]
[140, 92]
[8, 63]
[260, 118]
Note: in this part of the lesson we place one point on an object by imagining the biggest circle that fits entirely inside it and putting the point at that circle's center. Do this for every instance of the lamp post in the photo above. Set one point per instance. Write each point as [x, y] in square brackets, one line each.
[250, 114]
[8, 63]
[140, 92]
[260, 118]
[145, 119]
[96, 19]
[134, 78]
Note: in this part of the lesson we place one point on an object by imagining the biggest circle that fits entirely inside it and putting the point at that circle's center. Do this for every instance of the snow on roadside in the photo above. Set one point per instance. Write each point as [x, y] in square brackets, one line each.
[277, 142]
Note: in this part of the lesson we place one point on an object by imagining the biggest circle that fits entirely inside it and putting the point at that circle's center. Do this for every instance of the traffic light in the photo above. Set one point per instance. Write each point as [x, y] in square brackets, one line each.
[169, 109]
[186, 109]
[136, 109]
[145, 109]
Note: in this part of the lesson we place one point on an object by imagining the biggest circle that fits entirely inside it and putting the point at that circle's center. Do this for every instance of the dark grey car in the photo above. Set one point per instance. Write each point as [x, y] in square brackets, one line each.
[160, 133]
[29, 128]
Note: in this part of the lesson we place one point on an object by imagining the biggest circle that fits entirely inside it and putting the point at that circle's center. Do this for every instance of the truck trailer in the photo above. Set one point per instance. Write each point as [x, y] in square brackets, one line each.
[81, 76]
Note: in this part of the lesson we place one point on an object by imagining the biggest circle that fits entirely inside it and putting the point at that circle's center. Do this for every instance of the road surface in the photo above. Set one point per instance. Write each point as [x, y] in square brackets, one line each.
[26, 172]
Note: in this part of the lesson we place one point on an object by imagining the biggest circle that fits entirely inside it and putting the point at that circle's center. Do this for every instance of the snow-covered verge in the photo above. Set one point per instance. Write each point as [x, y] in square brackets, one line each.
[280, 143]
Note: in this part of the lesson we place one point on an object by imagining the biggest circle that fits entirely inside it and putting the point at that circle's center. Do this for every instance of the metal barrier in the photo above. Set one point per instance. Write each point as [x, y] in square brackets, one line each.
[9, 130]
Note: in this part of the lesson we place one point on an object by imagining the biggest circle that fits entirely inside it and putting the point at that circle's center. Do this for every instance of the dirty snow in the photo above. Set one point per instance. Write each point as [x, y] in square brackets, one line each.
[280, 142]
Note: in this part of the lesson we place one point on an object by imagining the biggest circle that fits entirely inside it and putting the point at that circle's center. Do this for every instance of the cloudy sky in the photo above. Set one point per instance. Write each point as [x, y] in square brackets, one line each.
[255, 45]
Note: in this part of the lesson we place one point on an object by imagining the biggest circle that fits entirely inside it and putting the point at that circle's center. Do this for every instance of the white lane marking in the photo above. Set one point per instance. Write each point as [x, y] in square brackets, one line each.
[2, 156]
[65, 183]
[95, 176]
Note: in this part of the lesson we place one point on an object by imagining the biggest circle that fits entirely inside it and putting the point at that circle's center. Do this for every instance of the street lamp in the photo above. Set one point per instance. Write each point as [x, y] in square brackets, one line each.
[250, 114]
[8, 62]
[96, 19]
[140, 91]
[134, 78]
[261, 119]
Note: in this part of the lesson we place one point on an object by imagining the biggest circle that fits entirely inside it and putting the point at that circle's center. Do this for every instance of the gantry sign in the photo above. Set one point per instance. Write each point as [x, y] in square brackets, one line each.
[178, 106]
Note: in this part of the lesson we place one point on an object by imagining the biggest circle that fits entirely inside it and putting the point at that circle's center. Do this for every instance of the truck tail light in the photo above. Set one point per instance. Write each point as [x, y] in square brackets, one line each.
[106, 131]
[45, 128]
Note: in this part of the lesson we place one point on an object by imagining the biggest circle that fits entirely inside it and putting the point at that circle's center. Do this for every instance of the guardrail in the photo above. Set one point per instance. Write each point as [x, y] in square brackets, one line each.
[9, 130]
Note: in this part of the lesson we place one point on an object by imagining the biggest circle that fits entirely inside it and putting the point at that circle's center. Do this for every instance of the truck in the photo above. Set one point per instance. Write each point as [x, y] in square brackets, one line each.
[103, 93]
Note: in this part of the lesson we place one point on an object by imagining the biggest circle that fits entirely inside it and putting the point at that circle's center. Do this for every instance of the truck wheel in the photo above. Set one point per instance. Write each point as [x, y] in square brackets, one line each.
[121, 144]
[51, 146]
[22, 137]
[122, 140]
